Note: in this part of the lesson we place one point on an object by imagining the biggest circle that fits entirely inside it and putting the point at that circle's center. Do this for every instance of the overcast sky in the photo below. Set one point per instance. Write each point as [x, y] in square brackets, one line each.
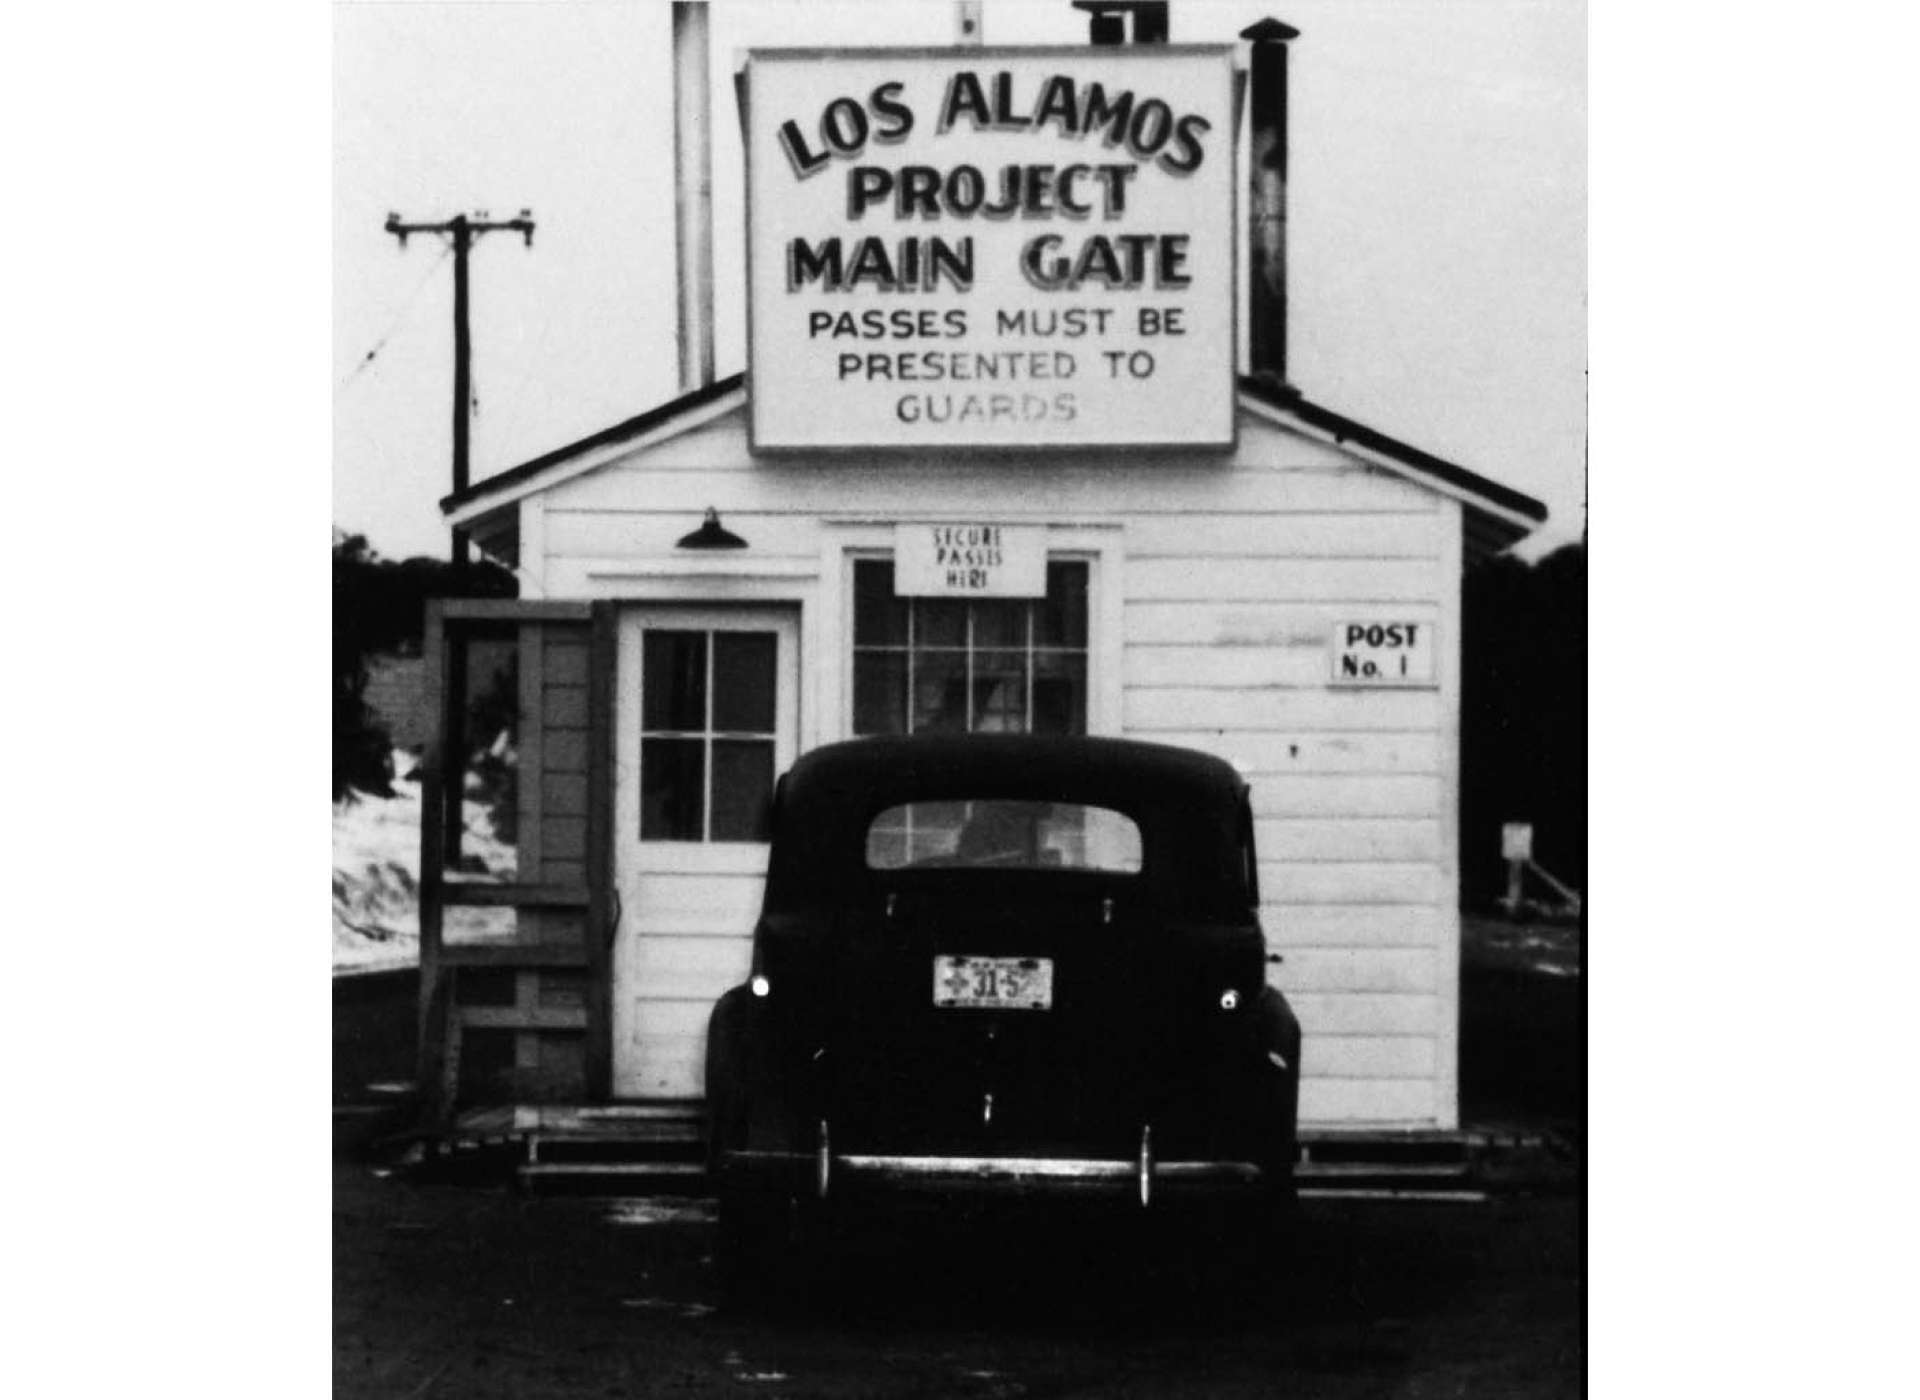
[1437, 222]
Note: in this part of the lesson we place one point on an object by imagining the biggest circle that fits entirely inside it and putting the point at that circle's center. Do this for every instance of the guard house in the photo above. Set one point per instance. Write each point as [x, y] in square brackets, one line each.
[992, 467]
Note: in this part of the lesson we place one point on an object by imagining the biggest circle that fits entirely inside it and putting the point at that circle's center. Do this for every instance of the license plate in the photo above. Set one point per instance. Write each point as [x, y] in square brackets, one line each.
[993, 984]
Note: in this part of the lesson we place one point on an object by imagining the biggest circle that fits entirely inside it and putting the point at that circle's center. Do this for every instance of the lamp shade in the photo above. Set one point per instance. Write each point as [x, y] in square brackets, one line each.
[711, 535]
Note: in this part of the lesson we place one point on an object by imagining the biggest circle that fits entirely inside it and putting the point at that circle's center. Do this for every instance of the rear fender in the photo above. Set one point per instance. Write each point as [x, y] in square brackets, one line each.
[1280, 1038]
[749, 1096]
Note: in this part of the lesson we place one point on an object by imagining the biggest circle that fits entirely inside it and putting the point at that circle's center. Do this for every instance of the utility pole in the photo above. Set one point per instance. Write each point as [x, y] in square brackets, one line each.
[451, 746]
[462, 229]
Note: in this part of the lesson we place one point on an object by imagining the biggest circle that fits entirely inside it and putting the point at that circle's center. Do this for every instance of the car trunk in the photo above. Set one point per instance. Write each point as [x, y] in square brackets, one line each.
[1077, 1076]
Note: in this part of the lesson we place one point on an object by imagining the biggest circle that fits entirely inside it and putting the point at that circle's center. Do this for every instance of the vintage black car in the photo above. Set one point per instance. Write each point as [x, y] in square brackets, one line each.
[1004, 962]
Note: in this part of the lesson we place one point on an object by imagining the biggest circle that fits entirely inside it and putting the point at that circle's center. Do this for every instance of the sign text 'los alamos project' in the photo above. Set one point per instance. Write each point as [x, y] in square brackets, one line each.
[986, 247]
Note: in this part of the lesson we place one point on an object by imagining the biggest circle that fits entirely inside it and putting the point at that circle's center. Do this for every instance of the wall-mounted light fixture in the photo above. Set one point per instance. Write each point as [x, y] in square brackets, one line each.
[711, 535]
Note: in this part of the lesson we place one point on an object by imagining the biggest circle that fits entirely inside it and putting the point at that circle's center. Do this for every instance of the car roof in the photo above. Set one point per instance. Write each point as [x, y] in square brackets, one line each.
[1188, 806]
[1117, 772]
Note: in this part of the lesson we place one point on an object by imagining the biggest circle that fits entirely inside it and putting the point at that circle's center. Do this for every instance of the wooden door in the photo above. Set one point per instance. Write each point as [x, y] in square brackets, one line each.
[707, 717]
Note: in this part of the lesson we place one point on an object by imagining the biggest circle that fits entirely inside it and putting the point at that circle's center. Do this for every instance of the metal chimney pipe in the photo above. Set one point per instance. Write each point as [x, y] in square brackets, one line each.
[693, 194]
[970, 29]
[1108, 21]
[1267, 201]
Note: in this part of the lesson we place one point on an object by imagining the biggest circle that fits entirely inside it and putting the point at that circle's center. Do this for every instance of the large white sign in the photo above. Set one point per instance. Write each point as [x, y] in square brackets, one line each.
[996, 248]
[969, 561]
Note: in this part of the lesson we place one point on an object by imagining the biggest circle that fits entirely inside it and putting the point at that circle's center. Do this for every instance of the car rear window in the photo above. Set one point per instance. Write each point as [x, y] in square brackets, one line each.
[1001, 834]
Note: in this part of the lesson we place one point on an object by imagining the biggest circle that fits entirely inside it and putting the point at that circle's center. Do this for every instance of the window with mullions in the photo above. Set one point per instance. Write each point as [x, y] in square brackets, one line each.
[960, 666]
[707, 735]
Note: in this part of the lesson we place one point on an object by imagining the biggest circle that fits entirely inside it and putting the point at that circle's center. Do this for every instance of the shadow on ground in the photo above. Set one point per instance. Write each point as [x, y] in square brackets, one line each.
[479, 1293]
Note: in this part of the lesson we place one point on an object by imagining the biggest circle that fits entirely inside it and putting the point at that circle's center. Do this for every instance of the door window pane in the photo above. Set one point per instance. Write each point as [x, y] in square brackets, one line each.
[672, 789]
[743, 682]
[742, 789]
[673, 681]
[697, 686]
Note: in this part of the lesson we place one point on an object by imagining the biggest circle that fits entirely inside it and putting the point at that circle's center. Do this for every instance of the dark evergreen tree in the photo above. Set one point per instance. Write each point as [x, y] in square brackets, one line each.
[1523, 735]
[379, 606]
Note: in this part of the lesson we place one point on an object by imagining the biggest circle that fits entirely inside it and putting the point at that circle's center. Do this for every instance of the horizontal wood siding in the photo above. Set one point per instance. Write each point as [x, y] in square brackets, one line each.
[1340, 795]
[1353, 1101]
[1251, 624]
[1365, 1013]
[1047, 492]
[1151, 711]
[1356, 969]
[1227, 620]
[1297, 535]
[1372, 1056]
[1292, 840]
[1349, 882]
[1269, 755]
[614, 534]
[1208, 580]
[1232, 573]
[1352, 926]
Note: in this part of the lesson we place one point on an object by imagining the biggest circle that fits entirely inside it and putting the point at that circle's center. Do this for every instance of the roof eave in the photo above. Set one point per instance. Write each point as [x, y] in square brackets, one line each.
[1498, 516]
[503, 488]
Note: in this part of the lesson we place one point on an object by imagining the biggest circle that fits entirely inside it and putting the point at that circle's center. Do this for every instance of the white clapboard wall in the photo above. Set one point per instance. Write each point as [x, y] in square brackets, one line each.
[1221, 581]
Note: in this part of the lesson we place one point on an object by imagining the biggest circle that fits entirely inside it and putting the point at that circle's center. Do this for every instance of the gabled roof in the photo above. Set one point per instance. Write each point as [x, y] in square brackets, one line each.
[1497, 516]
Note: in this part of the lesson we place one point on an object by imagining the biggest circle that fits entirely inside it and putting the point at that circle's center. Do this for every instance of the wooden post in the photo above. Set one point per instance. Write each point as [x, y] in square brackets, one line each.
[462, 233]
[1516, 846]
[435, 1021]
[603, 907]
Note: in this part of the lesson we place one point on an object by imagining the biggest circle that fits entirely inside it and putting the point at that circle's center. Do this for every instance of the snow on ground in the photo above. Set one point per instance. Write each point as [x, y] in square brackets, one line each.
[376, 874]
[1547, 947]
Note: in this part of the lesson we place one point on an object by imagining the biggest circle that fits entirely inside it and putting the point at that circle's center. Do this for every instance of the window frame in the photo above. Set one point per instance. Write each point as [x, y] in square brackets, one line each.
[709, 735]
[635, 617]
[975, 656]
[1100, 544]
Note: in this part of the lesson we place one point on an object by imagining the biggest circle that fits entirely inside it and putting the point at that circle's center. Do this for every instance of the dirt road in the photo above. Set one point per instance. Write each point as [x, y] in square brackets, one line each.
[474, 1292]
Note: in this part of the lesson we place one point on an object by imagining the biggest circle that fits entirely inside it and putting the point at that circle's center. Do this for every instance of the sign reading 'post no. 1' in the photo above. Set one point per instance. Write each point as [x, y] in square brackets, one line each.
[991, 248]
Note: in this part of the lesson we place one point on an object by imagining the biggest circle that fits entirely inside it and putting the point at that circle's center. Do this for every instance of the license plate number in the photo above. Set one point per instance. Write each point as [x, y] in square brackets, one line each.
[994, 984]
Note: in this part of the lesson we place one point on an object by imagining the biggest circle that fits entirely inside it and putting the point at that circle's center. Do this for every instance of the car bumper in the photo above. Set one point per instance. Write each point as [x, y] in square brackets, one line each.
[827, 1175]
